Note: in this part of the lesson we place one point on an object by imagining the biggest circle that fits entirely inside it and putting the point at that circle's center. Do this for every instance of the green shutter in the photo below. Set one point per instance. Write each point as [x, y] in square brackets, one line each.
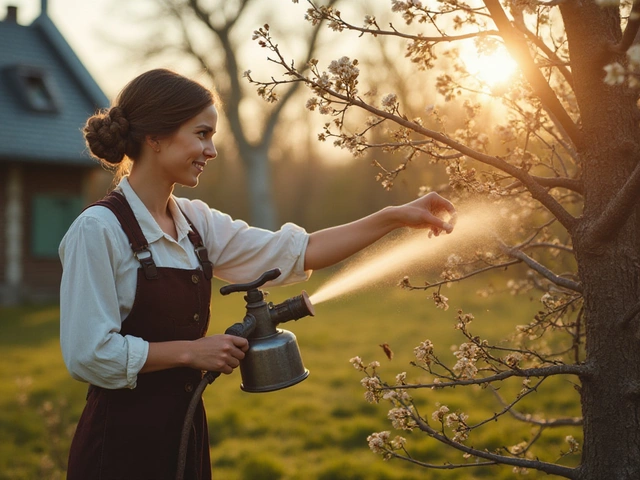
[52, 216]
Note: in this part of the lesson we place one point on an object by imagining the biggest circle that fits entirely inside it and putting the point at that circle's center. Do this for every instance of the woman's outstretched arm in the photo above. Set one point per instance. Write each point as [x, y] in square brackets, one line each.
[332, 245]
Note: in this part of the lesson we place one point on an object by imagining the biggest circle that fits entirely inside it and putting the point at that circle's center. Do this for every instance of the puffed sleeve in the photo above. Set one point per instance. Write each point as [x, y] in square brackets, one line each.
[241, 253]
[90, 319]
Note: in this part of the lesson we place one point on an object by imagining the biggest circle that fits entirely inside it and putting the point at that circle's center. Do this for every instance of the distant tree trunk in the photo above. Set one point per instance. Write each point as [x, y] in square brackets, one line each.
[607, 266]
[262, 210]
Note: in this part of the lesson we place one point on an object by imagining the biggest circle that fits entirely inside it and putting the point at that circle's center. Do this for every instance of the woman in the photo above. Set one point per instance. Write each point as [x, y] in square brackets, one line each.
[136, 279]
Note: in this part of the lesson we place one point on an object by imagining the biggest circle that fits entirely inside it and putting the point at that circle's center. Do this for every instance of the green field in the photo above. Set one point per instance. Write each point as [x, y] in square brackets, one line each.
[314, 430]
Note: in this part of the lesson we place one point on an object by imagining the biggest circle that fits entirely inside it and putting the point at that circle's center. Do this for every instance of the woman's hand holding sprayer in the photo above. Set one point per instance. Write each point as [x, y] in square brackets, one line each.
[217, 353]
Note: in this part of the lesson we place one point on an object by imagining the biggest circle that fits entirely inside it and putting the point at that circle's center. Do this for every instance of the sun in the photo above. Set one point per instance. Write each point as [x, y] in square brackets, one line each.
[492, 69]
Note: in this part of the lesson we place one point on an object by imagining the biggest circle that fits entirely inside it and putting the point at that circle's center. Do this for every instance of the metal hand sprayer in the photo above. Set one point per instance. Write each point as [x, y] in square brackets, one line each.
[273, 360]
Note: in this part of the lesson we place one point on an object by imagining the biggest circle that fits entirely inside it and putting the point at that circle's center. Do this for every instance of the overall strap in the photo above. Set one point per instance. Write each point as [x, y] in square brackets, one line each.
[116, 202]
[200, 249]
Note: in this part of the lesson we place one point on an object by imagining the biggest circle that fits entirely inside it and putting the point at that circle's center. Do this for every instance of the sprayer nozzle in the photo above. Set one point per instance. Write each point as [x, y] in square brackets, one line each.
[308, 304]
[292, 309]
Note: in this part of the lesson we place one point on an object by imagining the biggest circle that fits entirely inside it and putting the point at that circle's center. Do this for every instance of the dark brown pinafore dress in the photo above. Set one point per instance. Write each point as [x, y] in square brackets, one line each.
[134, 434]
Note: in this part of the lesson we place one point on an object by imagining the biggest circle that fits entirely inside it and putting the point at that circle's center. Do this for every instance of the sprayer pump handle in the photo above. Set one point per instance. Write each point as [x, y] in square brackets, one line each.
[245, 287]
[243, 329]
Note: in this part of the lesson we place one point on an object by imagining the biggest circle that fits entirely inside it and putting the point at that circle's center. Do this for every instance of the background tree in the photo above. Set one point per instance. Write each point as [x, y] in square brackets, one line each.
[561, 165]
[213, 38]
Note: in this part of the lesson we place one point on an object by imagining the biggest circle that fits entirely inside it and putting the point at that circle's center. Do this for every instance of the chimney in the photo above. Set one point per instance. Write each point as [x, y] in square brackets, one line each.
[12, 14]
[43, 7]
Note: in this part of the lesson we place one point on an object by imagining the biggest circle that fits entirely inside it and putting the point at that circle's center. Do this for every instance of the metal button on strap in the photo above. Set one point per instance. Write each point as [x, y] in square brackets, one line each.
[188, 387]
[196, 317]
[195, 278]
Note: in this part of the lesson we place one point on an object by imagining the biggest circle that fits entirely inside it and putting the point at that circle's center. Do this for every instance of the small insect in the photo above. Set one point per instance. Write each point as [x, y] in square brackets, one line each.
[387, 351]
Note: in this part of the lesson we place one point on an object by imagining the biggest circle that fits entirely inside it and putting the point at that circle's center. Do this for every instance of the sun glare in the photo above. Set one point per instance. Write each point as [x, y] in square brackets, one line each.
[494, 69]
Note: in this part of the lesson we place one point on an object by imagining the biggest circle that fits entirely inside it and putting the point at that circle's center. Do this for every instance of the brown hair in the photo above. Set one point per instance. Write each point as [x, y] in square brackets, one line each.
[157, 103]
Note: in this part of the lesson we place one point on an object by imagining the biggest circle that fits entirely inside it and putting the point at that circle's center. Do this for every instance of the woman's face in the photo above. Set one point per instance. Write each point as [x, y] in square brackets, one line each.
[184, 154]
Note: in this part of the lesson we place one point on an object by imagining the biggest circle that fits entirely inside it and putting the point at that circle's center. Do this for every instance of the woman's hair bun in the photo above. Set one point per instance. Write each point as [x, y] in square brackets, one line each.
[106, 134]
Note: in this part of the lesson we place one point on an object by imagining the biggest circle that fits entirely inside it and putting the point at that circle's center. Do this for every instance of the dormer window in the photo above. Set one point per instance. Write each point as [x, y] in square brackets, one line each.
[35, 88]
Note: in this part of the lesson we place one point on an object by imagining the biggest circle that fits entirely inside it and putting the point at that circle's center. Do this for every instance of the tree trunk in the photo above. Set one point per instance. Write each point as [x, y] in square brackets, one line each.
[609, 270]
[261, 206]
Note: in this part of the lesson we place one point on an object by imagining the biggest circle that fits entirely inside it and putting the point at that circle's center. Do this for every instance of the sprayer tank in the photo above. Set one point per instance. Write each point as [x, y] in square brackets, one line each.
[272, 363]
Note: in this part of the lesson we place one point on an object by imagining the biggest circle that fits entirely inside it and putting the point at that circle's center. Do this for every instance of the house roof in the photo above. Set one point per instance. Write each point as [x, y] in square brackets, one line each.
[46, 95]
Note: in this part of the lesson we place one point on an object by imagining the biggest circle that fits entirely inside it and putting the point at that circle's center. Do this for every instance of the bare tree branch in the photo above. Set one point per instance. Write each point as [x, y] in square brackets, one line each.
[549, 468]
[541, 269]
[550, 245]
[618, 210]
[507, 407]
[560, 182]
[274, 115]
[517, 46]
[463, 277]
[223, 35]
[420, 38]
[579, 370]
[528, 418]
[205, 16]
[520, 24]
[631, 30]
[447, 466]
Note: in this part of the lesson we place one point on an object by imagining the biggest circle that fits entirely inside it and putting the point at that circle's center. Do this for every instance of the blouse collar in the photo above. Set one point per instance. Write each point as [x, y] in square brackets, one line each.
[148, 224]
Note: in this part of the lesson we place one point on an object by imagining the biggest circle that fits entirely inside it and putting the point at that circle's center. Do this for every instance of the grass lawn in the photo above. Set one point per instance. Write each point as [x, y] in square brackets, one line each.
[314, 430]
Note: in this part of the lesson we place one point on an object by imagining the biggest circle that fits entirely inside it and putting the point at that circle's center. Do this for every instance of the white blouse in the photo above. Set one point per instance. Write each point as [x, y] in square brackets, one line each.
[100, 274]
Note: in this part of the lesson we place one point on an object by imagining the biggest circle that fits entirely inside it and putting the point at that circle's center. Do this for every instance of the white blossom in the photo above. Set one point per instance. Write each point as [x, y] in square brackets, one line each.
[424, 352]
[634, 55]
[398, 442]
[312, 103]
[461, 435]
[369, 21]
[390, 100]
[513, 359]
[574, 446]
[401, 418]
[440, 301]
[615, 74]
[467, 355]
[373, 365]
[357, 363]
[378, 441]
[439, 414]
[518, 449]
[373, 389]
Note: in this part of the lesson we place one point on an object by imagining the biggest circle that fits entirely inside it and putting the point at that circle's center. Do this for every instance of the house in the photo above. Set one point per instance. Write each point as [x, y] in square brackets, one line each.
[46, 95]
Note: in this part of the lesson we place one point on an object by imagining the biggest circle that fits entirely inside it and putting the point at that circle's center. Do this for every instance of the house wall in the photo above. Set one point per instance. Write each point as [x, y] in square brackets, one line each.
[38, 276]
[41, 276]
